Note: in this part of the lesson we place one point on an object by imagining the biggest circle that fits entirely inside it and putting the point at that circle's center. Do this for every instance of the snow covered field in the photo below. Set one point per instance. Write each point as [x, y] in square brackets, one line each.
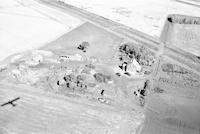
[146, 16]
[108, 98]
[27, 25]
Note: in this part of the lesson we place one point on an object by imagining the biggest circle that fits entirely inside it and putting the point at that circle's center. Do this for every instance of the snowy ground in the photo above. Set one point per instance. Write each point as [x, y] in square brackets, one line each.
[176, 7]
[27, 25]
[146, 16]
[43, 113]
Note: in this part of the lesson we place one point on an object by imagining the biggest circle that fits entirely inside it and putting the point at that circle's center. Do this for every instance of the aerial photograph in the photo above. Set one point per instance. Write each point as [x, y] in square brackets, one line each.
[100, 67]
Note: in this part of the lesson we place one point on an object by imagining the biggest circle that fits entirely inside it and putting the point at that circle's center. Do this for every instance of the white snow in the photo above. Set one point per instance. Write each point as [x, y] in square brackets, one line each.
[27, 25]
[133, 67]
[147, 16]
[15, 58]
[35, 60]
[42, 52]
[181, 8]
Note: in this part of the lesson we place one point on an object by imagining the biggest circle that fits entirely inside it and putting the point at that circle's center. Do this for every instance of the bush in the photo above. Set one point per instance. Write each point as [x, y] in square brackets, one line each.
[140, 54]
[83, 46]
[101, 77]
